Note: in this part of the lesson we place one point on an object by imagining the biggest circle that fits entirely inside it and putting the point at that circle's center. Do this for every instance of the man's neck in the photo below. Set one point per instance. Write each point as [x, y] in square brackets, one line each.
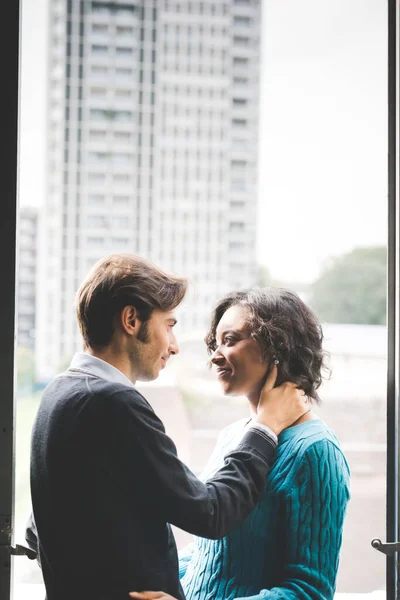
[116, 359]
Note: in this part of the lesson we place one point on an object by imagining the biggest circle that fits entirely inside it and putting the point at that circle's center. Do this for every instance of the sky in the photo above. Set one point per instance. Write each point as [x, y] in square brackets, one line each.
[323, 129]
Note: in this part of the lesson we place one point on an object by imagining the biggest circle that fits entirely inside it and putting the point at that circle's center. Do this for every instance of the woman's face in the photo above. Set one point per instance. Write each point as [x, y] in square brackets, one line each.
[237, 358]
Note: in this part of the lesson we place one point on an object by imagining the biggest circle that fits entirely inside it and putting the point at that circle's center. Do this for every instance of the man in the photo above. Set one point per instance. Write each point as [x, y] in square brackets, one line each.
[105, 478]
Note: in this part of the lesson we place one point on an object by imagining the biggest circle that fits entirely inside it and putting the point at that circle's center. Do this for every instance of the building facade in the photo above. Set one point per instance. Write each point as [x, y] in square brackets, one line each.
[152, 149]
[26, 277]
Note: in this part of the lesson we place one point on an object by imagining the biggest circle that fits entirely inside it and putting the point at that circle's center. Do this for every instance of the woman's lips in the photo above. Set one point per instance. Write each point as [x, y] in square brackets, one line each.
[223, 373]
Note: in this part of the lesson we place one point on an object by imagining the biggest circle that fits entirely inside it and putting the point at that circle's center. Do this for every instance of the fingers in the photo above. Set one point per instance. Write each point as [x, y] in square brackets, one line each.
[271, 379]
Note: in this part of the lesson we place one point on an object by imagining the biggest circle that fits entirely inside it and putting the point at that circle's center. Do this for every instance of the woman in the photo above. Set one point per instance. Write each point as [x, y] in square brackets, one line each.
[288, 547]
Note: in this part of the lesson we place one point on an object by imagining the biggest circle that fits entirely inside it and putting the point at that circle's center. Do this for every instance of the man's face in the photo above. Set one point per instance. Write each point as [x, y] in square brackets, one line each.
[154, 345]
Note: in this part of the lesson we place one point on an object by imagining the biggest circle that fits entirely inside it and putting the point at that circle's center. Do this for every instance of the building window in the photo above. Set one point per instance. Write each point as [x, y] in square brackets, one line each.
[120, 158]
[96, 157]
[99, 70]
[239, 123]
[241, 40]
[240, 61]
[123, 93]
[96, 177]
[99, 28]
[239, 102]
[124, 50]
[119, 177]
[236, 245]
[241, 21]
[121, 199]
[120, 242]
[124, 30]
[240, 81]
[97, 134]
[236, 226]
[97, 49]
[96, 199]
[98, 92]
[123, 136]
[124, 71]
[238, 185]
[95, 241]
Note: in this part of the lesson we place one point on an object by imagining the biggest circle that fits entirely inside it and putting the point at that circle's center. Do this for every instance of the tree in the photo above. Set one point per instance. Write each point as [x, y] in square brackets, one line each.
[352, 288]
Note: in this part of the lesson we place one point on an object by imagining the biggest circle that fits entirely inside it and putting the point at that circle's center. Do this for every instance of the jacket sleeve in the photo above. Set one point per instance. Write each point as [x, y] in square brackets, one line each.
[314, 520]
[136, 438]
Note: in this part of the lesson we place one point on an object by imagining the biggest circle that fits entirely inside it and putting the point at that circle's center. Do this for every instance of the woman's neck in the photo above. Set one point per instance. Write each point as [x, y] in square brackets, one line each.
[253, 404]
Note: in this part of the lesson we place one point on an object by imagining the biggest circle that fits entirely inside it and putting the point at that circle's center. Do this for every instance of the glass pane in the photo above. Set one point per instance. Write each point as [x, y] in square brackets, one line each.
[159, 143]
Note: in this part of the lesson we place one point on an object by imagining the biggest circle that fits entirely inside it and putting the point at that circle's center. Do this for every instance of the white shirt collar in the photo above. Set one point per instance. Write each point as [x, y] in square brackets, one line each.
[86, 363]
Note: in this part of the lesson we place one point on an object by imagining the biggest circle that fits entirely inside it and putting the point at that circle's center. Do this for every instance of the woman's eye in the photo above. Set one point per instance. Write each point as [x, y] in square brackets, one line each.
[228, 339]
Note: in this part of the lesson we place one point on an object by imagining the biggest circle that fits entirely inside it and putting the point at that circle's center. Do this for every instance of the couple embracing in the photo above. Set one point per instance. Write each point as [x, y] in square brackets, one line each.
[267, 513]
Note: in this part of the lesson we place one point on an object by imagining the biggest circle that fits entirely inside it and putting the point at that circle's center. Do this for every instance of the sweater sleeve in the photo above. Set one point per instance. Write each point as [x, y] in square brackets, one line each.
[314, 523]
[158, 480]
[185, 556]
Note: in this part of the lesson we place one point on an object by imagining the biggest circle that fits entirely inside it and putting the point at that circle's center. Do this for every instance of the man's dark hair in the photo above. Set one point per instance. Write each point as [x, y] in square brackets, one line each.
[285, 329]
[120, 280]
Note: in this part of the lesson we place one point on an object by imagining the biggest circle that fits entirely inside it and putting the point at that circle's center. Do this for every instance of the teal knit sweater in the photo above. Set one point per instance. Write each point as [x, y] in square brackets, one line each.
[288, 547]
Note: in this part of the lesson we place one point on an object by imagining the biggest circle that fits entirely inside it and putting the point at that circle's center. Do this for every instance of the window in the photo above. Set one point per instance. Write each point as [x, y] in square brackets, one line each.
[124, 71]
[96, 199]
[121, 177]
[97, 49]
[238, 165]
[124, 30]
[94, 241]
[96, 157]
[123, 93]
[239, 40]
[239, 123]
[99, 28]
[237, 204]
[97, 134]
[124, 50]
[97, 177]
[120, 242]
[122, 158]
[98, 92]
[240, 81]
[99, 70]
[241, 21]
[123, 136]
[97, 221]
[240, 61]
[236, 226]
[239, 102]
[99, 8]
[121, 199]
[103, 114]
[238, 185]
[121, 222]
[236, 245]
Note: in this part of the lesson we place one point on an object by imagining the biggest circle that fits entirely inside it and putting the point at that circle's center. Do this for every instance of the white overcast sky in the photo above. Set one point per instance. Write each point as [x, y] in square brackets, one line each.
[323, 132]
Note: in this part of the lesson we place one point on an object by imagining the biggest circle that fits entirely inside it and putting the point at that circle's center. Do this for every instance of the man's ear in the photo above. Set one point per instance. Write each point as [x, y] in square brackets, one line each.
[129, 320]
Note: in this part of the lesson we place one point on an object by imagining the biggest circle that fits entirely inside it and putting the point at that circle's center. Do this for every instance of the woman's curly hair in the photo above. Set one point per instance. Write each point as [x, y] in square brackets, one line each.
[285, 329]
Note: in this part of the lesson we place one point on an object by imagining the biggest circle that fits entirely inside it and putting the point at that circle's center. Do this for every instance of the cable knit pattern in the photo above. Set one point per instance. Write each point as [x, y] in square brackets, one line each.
[288, 547]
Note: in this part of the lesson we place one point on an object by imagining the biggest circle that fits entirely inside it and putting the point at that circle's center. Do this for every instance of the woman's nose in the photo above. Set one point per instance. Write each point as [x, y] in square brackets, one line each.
[216, 356]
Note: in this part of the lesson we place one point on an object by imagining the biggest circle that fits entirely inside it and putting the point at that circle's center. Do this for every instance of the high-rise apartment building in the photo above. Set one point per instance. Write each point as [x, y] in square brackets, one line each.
[152, 149]
[26, 277]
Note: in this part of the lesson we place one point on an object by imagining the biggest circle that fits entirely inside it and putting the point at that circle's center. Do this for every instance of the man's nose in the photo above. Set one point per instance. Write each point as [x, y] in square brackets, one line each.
[173, 345]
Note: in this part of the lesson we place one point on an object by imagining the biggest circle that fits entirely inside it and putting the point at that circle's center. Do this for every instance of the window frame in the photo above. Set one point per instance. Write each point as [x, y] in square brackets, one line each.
[9, 56]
